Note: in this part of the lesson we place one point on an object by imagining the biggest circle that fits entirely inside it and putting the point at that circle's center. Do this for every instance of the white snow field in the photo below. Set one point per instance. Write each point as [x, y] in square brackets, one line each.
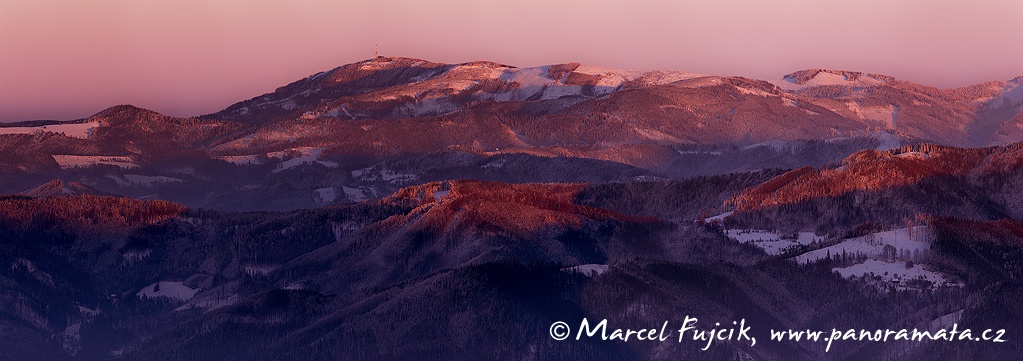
[80, 130]
[771, 242]
[588, 270]
[909, 242]
[82, 161]
[176, 290]
[895, 272]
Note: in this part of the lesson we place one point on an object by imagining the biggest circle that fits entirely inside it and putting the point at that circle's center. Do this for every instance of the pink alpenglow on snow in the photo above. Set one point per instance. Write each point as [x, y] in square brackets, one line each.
[67, 60]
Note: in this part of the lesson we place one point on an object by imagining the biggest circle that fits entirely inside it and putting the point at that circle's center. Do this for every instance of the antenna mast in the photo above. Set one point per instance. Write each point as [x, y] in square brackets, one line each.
[376, 50]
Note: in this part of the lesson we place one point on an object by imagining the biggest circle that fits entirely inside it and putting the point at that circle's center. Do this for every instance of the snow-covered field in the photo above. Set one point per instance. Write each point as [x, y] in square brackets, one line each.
[354, 194]
[306, 155]
[907, 242]
[885, 140]
[777, 145]
[259, 270]
[250, 159]
[589, 270]
[828, 78]
[946, 321]
[611, 77]
[176, 290]
[654, 134]
[82, 161]
[913, 155]
[718, 218]
[886, 252]
[894, 272]
[82, 130]
[1012, 98]
[885, 257]
[497, 164]
[432, 90]
[211, 303]
[704, 152]
[130, 180]
[326, 195]
[387, 175]
[71, 338]
[770, 242]
[535, 82]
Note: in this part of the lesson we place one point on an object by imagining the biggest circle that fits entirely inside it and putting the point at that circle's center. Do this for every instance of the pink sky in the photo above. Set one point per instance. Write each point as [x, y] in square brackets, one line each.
[69, 59]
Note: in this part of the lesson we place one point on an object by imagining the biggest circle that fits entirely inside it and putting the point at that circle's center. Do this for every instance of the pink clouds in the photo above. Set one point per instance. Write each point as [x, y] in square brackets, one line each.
[68, 59]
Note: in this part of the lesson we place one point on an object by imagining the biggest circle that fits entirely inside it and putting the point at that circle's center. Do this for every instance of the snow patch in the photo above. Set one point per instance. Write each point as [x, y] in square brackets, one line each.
[777, 145]
[751, 91]
[176, 290]
[210, 304]
[588, 270]
[82, 161]
[531, 82]
[828, 78]
[652, 134]
[912, 243]
[887, 141]
[894, 272]
[136, 256]
[354, 194]
[250, 159]
[883, 114]
[30, 268]
[129, 180]
[262, 270]
[772, 242]
[305, 155]
[71, 338]
[1011, 98]
[610, 77]
[80, 130]
[913, 155]
[946, 321]
[497, 164]
[718, 218]
[326, 195]
[707, 152]
[371, 174]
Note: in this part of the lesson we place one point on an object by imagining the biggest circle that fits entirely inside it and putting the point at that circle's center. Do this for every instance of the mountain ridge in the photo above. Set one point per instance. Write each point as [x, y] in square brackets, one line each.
[361, 122]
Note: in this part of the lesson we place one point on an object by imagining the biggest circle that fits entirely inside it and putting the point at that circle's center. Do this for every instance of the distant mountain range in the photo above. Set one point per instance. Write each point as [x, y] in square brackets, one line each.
[397, 209]
[374, 122]
[372, 107]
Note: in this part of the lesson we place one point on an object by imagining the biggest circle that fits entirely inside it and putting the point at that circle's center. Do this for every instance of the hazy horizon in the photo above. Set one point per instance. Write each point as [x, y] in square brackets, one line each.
[68, 60]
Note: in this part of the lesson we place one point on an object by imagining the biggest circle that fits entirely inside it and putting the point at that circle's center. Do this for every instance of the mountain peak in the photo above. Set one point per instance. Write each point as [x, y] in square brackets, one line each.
[58, 187]
[487, 64]
[814, 77]
[384, 59]
[124, 110]
[390, 62]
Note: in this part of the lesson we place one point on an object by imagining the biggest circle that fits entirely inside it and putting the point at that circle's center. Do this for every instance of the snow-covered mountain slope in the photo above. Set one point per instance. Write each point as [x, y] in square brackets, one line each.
[558, 109]
[390, 106]
[404, 87]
